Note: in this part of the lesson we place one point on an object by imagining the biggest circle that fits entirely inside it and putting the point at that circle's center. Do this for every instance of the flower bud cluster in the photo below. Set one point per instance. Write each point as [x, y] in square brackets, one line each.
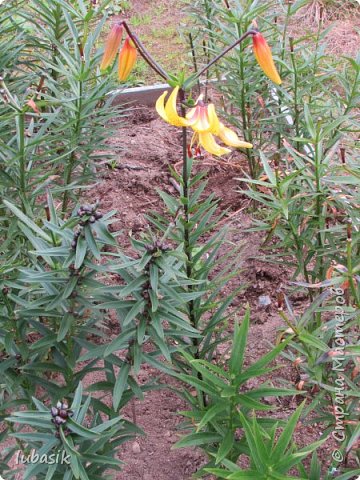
[60, 414]
[88, 215]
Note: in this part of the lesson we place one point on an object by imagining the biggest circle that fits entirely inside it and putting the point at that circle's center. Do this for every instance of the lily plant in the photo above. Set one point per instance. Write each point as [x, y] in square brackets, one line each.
[200, 117]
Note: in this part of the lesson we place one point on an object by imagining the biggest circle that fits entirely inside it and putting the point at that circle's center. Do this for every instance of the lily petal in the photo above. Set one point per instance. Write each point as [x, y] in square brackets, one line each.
[171, 112]
[160, 107]
[214, 120]
[207, 141]
[230, 138]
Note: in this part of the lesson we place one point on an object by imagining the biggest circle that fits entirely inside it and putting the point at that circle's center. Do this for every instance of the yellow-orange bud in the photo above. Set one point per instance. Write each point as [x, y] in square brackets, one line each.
[127, 59]
[264, 58]
[112, 46]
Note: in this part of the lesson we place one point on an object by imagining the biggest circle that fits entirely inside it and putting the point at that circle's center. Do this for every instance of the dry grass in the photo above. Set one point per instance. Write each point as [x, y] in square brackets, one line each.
[324, 11]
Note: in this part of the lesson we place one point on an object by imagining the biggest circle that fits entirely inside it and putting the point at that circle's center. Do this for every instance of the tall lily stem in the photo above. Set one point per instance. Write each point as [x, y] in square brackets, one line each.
[186, 193]
[22, 157]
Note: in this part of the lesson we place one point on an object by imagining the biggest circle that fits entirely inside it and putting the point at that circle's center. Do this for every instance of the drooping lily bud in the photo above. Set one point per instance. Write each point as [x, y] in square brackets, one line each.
[112, 46]
[127, 59]
[264, 57]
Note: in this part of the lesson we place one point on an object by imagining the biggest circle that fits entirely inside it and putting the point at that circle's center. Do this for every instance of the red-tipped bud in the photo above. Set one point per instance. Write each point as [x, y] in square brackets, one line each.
[264, 58]
[33, 106]
[127, 59]
[112, 46]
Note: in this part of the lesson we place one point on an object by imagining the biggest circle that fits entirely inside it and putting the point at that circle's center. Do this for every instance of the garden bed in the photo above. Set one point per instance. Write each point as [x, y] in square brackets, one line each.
[114, 278]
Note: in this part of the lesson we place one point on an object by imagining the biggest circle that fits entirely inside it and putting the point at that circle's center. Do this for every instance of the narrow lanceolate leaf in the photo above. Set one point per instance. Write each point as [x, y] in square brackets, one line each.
[196, 439]
[134, 311]
[27, 221]
[80, 430]
[251, 441]
[211, 413]
[65, 326]
[81, 249]
[239, 345]
[286, 436]
[225, 446]
[89, 237]
[120, 385]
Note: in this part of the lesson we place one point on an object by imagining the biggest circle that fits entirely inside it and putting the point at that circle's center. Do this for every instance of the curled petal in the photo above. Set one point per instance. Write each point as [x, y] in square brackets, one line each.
[160, 106]
[112, 46]
[264, 58]
[207, 141]
[170, 111]
[230, 138]
[127, 59]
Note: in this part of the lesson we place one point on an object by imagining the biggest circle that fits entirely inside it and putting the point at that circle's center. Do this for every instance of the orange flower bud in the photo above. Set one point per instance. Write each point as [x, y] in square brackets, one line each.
[264, 58]
[112, 46]
[127, 59]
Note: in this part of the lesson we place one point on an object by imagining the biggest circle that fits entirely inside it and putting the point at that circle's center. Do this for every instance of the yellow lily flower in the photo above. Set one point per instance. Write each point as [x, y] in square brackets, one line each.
[204, 122]
[168, 111]
[112, 46]
[127, 59]
[264, 58]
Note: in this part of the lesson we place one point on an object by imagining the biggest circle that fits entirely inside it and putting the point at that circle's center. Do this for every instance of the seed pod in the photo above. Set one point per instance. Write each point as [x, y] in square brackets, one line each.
[59, 405]
[98, 215]
[63, 414]
[92, 219]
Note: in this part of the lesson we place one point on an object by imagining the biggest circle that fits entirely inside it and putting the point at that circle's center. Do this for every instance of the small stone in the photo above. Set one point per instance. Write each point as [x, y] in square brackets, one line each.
[136, 448]
[264, 301]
